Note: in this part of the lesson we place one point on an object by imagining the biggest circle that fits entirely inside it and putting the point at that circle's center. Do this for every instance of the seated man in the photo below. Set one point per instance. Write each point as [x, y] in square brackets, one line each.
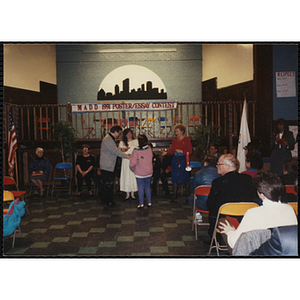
[272, 213]
[213, 151]
[205, 176]
[230, 187]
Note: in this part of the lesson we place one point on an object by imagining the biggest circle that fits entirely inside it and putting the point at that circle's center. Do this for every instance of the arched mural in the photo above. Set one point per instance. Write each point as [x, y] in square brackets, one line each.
[131, 82]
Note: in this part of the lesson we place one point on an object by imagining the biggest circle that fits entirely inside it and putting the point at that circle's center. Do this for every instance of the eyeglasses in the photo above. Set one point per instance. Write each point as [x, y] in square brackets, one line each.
[218, 164]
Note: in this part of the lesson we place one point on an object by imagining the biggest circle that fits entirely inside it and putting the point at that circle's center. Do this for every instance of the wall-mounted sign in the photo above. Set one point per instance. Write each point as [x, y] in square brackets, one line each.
[285, 84]
[123, 106]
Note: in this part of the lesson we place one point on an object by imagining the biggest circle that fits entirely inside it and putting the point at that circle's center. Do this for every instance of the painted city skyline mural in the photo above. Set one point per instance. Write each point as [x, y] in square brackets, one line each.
[131, 82]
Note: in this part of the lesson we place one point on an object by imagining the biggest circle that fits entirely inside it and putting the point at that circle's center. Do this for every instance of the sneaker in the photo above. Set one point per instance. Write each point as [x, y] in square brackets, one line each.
[140, 206]
[149, 204]
[198, 217]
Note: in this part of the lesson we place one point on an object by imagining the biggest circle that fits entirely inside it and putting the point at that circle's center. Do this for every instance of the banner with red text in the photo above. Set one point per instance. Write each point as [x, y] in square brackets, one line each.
[123, 106]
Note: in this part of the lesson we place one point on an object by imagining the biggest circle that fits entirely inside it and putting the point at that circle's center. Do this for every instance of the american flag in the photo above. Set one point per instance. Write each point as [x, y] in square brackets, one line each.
[12, 143]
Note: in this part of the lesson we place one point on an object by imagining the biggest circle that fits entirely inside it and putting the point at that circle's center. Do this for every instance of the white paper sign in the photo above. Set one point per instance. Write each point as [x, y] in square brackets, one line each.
[285, 84]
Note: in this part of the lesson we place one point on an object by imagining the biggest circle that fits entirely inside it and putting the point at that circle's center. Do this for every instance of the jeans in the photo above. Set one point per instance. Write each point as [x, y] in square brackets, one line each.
[200, 202]
[144, 187]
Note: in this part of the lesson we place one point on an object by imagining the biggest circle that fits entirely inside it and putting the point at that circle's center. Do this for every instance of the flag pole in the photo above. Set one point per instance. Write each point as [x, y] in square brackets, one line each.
[16, 166]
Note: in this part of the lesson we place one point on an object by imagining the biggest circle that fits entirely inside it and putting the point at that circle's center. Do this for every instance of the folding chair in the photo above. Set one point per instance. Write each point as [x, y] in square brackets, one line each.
[89, 129]
[47, 180]
[165, 127]
[66, 168]
[195, 121]
[9, 181]
[148, 124]
[202, 190]
[45, 122]
[9, 197]
[229, 209]
[294, 205]
[44, 126]
[290, 189]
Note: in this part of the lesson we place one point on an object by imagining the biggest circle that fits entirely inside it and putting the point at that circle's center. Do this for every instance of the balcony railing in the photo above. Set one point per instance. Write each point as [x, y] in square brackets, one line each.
[35, 122]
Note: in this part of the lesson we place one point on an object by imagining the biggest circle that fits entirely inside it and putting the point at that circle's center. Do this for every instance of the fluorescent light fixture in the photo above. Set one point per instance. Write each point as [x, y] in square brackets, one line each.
[132, 50]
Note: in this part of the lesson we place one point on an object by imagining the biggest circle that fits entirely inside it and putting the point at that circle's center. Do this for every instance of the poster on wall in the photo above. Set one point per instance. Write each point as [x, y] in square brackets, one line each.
[285, 84]
[131, 82]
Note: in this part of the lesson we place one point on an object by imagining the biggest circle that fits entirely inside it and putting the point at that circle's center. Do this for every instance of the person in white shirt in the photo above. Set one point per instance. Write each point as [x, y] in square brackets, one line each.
[272, 213]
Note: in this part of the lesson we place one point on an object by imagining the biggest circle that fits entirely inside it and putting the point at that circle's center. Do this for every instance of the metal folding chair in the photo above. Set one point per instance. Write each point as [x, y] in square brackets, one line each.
[202, 190]
[47, 180]
[290, 189]
[14, 189]
[66, 169]
[228, 209]
[294, 205]
[9, 197]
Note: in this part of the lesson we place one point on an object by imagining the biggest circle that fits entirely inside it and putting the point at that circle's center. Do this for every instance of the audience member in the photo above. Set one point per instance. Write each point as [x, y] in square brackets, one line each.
[290, 173]
[180, 146]
[85, 164]
[272, 213]
[108, 155]
[127, 179]
[205, 176]
[254, 163]
[141, 164]
[213, 151]
[281, 144]
[230, 187]
[39, 169]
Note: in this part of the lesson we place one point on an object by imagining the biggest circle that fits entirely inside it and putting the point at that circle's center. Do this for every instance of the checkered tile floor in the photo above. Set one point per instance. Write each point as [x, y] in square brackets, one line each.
[62, 226]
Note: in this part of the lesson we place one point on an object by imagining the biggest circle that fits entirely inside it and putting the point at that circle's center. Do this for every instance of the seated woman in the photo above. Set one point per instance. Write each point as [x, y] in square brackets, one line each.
[85, 169]
[254, 163]
[272, 213]
[39, 169]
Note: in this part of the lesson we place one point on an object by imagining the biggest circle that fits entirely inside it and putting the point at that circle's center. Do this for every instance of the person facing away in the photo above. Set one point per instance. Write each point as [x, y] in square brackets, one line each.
[39, 169]
[141, 164]
[205, 176]
[281, 144]
[230, 187]
[109, 152]
[85, 163]
[254, 163]
[272, 213]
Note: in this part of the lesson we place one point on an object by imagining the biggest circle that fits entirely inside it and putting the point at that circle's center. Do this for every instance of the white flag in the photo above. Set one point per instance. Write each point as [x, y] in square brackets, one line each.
[244, 139]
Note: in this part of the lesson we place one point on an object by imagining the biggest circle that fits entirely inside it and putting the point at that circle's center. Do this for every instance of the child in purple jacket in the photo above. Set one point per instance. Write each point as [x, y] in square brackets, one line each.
[141, 164]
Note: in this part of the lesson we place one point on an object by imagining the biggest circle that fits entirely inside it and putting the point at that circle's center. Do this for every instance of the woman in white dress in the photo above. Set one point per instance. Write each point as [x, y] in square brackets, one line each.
[127, 179]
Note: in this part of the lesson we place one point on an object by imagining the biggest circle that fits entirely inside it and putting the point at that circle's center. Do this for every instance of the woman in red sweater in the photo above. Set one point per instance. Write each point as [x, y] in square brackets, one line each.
[180, 146]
